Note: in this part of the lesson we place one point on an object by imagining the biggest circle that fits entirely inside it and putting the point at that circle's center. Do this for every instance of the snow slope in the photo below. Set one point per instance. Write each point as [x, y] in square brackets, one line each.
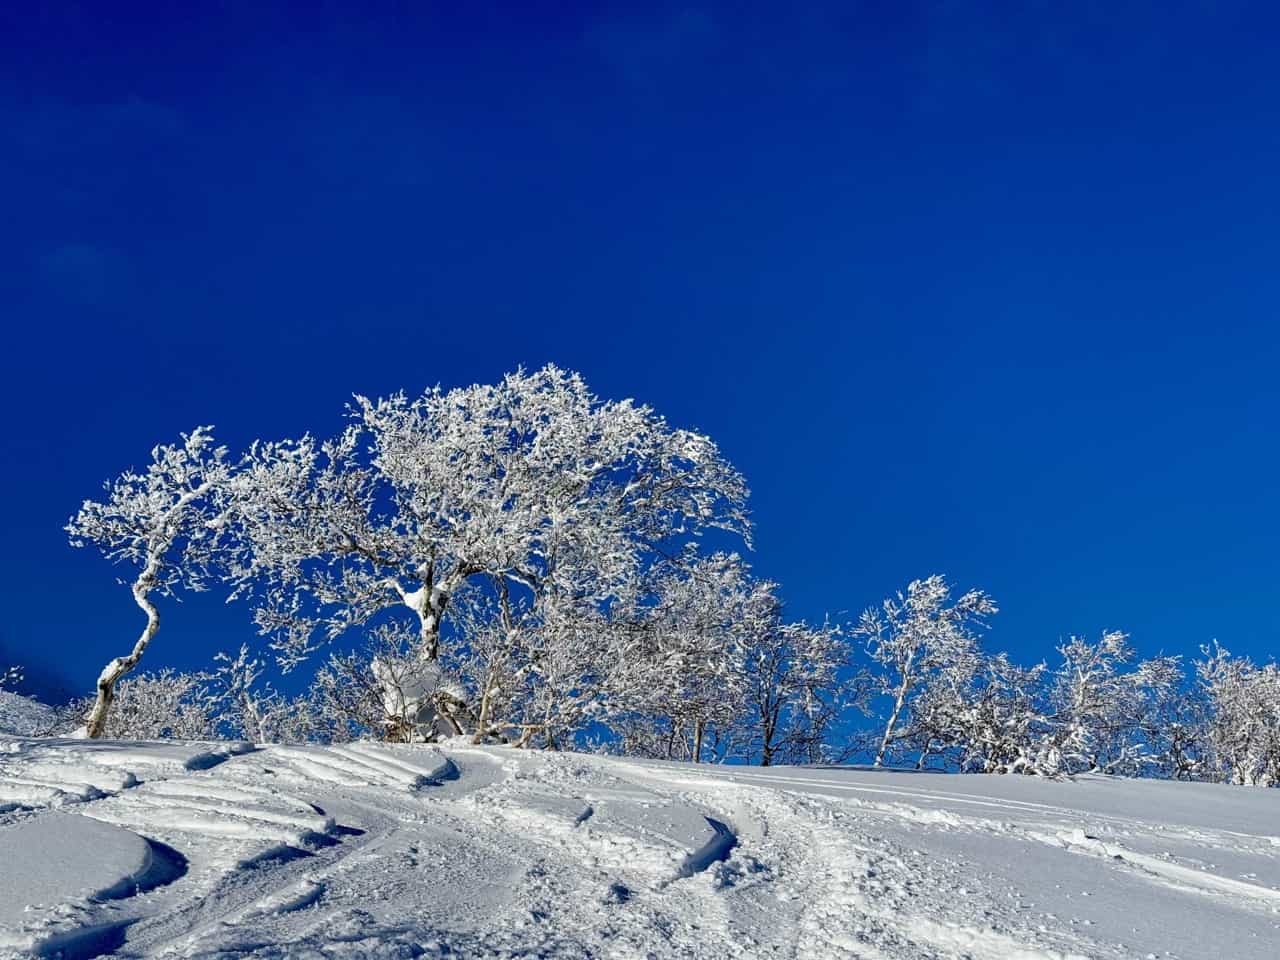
[217, 850]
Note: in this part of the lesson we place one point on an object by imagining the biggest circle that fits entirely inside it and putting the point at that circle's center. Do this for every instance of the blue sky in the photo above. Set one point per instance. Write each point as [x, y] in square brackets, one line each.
[989, 290]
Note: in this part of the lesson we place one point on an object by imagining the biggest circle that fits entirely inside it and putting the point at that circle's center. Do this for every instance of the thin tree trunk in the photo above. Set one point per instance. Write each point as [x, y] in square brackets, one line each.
[529, 731]
[891, 725]
[491, 674]
[697, 741]
[904, 687]
[924, 754]
[96, 725]
[430, 615]
[769, 730]
[482, 723]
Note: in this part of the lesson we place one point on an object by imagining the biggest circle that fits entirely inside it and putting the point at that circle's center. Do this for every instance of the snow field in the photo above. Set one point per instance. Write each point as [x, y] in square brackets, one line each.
[197, 850]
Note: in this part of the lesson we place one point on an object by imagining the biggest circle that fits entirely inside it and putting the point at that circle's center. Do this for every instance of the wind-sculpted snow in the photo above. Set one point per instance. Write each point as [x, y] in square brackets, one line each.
[58, 869]
[376, 850]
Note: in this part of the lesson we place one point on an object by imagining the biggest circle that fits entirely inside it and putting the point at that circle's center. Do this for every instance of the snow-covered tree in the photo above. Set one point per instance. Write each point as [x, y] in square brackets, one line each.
[1162, 733]
[533, 483]
[245, 706]
[987, 718]
[568, 675]
[249, 708]
[912, 637]
[683, 663]
[794, 692]
[1100, 708]
[1175, 725]
[1243, 734]
[939, 718]
[540, 673]
[164, 521]
[26, 716]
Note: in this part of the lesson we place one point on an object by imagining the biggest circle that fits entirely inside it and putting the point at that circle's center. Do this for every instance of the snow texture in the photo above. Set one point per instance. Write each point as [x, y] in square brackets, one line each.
[373, 850]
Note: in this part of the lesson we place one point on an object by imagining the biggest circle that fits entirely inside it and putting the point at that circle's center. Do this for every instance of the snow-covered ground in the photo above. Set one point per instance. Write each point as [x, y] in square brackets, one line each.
[166, 849]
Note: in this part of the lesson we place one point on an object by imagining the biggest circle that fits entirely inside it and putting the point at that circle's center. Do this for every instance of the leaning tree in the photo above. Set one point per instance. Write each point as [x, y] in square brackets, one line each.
[165, 521]
[913, 637]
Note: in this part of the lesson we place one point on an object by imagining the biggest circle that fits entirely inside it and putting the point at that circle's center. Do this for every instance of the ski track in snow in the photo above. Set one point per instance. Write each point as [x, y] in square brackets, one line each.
[453, 850]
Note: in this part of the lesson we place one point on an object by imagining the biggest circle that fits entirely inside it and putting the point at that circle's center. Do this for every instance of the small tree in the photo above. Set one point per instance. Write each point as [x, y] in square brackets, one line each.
[165, 522]
[913, 636]
[793, 688]
[256, 711]
[1243, 736]
[683, 664]
[1176, 726]
[996, 722]
[1100, 709]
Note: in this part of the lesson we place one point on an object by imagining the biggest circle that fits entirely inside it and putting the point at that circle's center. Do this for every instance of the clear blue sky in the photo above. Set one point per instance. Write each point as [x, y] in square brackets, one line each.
[989, 290]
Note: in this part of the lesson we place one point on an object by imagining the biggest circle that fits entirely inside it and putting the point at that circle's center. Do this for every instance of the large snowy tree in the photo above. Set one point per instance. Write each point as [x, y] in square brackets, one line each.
[533, 487]
[983, 713]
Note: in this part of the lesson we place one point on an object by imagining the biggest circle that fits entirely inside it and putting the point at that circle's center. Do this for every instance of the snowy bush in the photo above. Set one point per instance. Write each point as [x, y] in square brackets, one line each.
[25, 716]
[1100, 709]
[165, 705]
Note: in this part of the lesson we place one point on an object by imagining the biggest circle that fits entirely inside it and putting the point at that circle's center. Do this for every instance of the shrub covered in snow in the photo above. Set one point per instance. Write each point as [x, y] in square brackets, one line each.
[24, 716]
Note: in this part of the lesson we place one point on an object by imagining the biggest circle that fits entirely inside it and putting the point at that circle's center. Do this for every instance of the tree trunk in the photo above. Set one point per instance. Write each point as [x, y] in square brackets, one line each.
[529, 731]
[697, 741]
[907, 670]
[429, 615]
[924, 754]
[96, 725]
[482, 724]
[768, 730]
[891, 725]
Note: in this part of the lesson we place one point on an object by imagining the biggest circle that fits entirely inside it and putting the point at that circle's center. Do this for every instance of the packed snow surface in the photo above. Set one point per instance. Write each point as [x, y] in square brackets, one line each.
[372, 850]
